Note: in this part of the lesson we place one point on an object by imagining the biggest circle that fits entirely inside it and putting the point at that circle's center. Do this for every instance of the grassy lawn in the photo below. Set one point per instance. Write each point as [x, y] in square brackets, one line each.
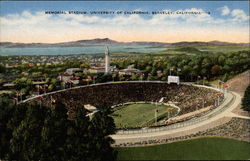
[137, 115]
[195, 149]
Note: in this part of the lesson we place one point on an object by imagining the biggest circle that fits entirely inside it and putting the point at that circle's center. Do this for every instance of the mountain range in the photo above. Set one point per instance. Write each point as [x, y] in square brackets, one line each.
[107, 41]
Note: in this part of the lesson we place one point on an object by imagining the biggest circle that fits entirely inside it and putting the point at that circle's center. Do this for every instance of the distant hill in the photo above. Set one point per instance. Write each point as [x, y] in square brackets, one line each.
[92, 42]
[185, 43]
[188, 49]
[146, 43]
[23, 45]
[200, 43]
[107, 41]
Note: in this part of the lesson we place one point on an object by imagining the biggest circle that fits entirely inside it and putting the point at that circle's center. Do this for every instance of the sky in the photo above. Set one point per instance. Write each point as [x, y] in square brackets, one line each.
[27, 22]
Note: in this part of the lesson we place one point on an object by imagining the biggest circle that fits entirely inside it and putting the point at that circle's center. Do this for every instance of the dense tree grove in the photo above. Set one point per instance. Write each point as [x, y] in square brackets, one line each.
[246, 100]
[29, 132]
[2, 69]
[190, 67]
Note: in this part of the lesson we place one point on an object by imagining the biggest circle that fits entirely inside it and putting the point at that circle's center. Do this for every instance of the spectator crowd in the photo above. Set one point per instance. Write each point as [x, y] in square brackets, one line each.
[188, 98]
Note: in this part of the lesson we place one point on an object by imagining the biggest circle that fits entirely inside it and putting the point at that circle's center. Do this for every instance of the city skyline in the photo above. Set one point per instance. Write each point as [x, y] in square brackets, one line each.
[26, 22]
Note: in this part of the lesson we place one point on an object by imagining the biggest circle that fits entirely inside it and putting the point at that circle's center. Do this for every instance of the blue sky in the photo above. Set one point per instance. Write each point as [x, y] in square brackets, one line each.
[8, 7]
[228, 21]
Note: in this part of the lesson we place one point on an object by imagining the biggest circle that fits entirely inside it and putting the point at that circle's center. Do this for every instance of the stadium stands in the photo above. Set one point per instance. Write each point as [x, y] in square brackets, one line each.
[188, 97]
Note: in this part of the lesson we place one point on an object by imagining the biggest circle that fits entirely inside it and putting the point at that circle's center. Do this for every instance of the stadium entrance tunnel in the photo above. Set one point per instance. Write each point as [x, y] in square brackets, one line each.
[187, 97]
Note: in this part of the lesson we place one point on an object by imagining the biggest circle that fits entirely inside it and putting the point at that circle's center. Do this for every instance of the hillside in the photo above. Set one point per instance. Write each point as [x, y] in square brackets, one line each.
[188, 49]
[107, 41]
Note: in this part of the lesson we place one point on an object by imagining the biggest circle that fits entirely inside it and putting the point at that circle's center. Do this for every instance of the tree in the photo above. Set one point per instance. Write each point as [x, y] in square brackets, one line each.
[89, 139]
[134, 77]
[215, 69]
[10, 118]
[221, 59]
[54, 133]
[84, 65]
[246, 100]
[32, 133]
[23, 83]
[2, 69]
[25, 143]
[54, 81]
[77, 144]
[206, 64]
[103, 126]
[51, 87]
[148, 69]
[122, 78]
[226, 68]
[6, 111]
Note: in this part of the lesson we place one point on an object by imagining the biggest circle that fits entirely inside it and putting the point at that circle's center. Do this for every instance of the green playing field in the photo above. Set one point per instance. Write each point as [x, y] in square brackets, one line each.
[195, 149]
[139, 115]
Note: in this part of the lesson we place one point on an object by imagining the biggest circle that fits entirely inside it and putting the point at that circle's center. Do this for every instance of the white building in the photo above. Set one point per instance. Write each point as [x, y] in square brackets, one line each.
[96, 69]
[64, 77]
[129, 71]
[72, 71]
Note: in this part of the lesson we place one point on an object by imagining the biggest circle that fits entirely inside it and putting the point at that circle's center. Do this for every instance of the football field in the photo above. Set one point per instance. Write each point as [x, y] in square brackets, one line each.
[140, 115]
[195, 149]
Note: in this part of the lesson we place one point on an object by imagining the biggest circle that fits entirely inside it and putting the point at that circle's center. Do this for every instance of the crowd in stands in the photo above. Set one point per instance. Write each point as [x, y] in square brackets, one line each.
[187, 97]
[187, 116]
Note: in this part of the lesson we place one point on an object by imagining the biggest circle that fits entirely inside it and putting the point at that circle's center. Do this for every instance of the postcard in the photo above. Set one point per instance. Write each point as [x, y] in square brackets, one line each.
[124, 80]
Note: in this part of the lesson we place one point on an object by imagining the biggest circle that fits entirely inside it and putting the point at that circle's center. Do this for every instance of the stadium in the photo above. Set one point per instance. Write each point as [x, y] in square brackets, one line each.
[185, 101]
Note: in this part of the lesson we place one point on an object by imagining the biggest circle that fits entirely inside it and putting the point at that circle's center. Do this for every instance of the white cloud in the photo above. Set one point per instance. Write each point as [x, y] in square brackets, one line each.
[193, 15]
[224, 10]
[202, 17]
[239, 15]
[80, 18]
[69, 26]
[236, 14]
[40, 18]
[25, 18]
